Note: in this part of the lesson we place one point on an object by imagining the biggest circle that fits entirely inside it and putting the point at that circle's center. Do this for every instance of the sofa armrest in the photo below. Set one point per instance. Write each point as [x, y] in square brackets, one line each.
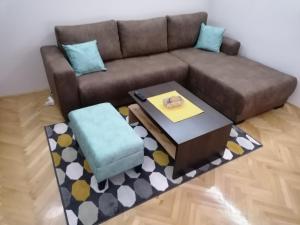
[62, 79]
[230, 46]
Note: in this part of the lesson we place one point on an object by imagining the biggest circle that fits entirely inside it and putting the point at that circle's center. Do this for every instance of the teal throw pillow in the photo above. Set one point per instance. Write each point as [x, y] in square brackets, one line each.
[210, 38]
[84, 57]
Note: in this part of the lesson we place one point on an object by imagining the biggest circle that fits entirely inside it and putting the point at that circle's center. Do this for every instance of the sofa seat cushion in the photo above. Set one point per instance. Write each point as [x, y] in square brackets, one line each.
[236, 86]
[129, 74]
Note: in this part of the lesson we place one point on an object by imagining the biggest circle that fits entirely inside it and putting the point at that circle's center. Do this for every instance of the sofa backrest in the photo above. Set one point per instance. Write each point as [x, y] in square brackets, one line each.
[143, 37]
[135, 37]
[106, 34]
[183, 30]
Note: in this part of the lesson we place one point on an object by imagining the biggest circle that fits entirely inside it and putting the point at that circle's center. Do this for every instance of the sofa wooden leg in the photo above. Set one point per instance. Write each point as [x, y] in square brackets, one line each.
[131, 117]
[242, 121]
[278, 107]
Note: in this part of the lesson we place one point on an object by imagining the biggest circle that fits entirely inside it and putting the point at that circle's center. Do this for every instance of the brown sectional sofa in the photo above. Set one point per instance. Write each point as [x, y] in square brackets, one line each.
[147, 52]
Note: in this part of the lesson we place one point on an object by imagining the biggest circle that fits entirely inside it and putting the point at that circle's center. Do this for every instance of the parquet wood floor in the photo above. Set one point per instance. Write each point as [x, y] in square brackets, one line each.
[262, 188]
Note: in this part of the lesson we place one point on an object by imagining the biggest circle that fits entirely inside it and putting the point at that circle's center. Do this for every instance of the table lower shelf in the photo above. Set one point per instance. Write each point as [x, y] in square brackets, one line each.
[137, 114]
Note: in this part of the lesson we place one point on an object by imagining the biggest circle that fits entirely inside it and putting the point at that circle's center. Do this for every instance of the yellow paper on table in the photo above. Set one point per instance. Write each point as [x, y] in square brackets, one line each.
[185, 111]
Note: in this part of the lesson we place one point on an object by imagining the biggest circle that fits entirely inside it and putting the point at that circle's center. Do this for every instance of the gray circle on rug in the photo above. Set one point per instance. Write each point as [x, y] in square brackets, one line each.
[60, 175]
[69, 154]
[66, 196]
[142, 188]
[108, 204]
[204, 168]
[88, 213]
[49, 131]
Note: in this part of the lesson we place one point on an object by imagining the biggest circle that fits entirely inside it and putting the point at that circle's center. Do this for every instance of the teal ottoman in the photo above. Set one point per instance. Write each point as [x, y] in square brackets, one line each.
[106, 140]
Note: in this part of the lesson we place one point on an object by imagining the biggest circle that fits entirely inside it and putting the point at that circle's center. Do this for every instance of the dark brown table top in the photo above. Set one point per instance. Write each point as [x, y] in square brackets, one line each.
[187, 129]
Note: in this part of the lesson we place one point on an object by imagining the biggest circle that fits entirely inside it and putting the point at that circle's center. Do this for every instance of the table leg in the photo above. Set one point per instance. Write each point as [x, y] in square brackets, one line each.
[131, 117]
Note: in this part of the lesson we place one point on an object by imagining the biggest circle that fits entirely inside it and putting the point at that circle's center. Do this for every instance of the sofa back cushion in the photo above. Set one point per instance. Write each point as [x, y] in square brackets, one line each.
[183, 30]
[106, 34]
[143, 37]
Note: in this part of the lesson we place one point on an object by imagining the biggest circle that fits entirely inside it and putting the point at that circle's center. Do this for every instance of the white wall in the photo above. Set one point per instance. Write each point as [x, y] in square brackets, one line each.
[269, 31]
[27, 25]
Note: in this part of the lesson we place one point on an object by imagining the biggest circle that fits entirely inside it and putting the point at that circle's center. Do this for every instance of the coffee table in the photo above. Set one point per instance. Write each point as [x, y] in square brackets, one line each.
[191, 142]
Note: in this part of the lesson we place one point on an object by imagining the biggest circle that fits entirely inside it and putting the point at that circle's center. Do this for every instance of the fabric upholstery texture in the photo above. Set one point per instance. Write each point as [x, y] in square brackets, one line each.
[230, 46]
[106, 34]
[210, 38]
[143, 37]
[107, 141]
[84, 57]
[236, 86]
[129, 74]
[183, 30]
[61, 78]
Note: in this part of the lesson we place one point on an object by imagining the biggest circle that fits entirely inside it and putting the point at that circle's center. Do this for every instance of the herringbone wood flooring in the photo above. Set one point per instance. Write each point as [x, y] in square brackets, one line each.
[261, 188]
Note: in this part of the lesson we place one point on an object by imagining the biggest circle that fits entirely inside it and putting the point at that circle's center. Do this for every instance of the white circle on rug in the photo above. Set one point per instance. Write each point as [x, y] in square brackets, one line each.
[150, 143]
[52, 144]
[216, 162]
[132, 173]
[95, 187]
[148, 164]
[233, 132]
[72, 218]
[227, 154]
[60, 128]
[252, 140]
[126, 196]
[158, 181]
[245, 143]
[140, 131]
[169, 174]
[74, 171]
[118, 179]
[191, 173]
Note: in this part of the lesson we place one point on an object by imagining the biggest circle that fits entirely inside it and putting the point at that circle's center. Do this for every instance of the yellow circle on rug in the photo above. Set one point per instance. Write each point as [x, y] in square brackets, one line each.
[80, 190]
[161, 158]
[87, 166]
[64, 140]
[234, 147]
[56, 159]
[124, 110]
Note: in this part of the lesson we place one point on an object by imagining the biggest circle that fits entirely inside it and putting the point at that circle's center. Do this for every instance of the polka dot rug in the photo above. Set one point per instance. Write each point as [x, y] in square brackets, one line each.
[85, 204]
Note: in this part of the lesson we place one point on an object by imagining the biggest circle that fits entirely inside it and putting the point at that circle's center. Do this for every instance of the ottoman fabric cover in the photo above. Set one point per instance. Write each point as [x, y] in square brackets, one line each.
[107, 141]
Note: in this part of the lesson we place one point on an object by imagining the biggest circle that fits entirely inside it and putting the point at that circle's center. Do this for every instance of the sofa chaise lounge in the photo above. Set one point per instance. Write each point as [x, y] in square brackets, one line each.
[146, 52]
